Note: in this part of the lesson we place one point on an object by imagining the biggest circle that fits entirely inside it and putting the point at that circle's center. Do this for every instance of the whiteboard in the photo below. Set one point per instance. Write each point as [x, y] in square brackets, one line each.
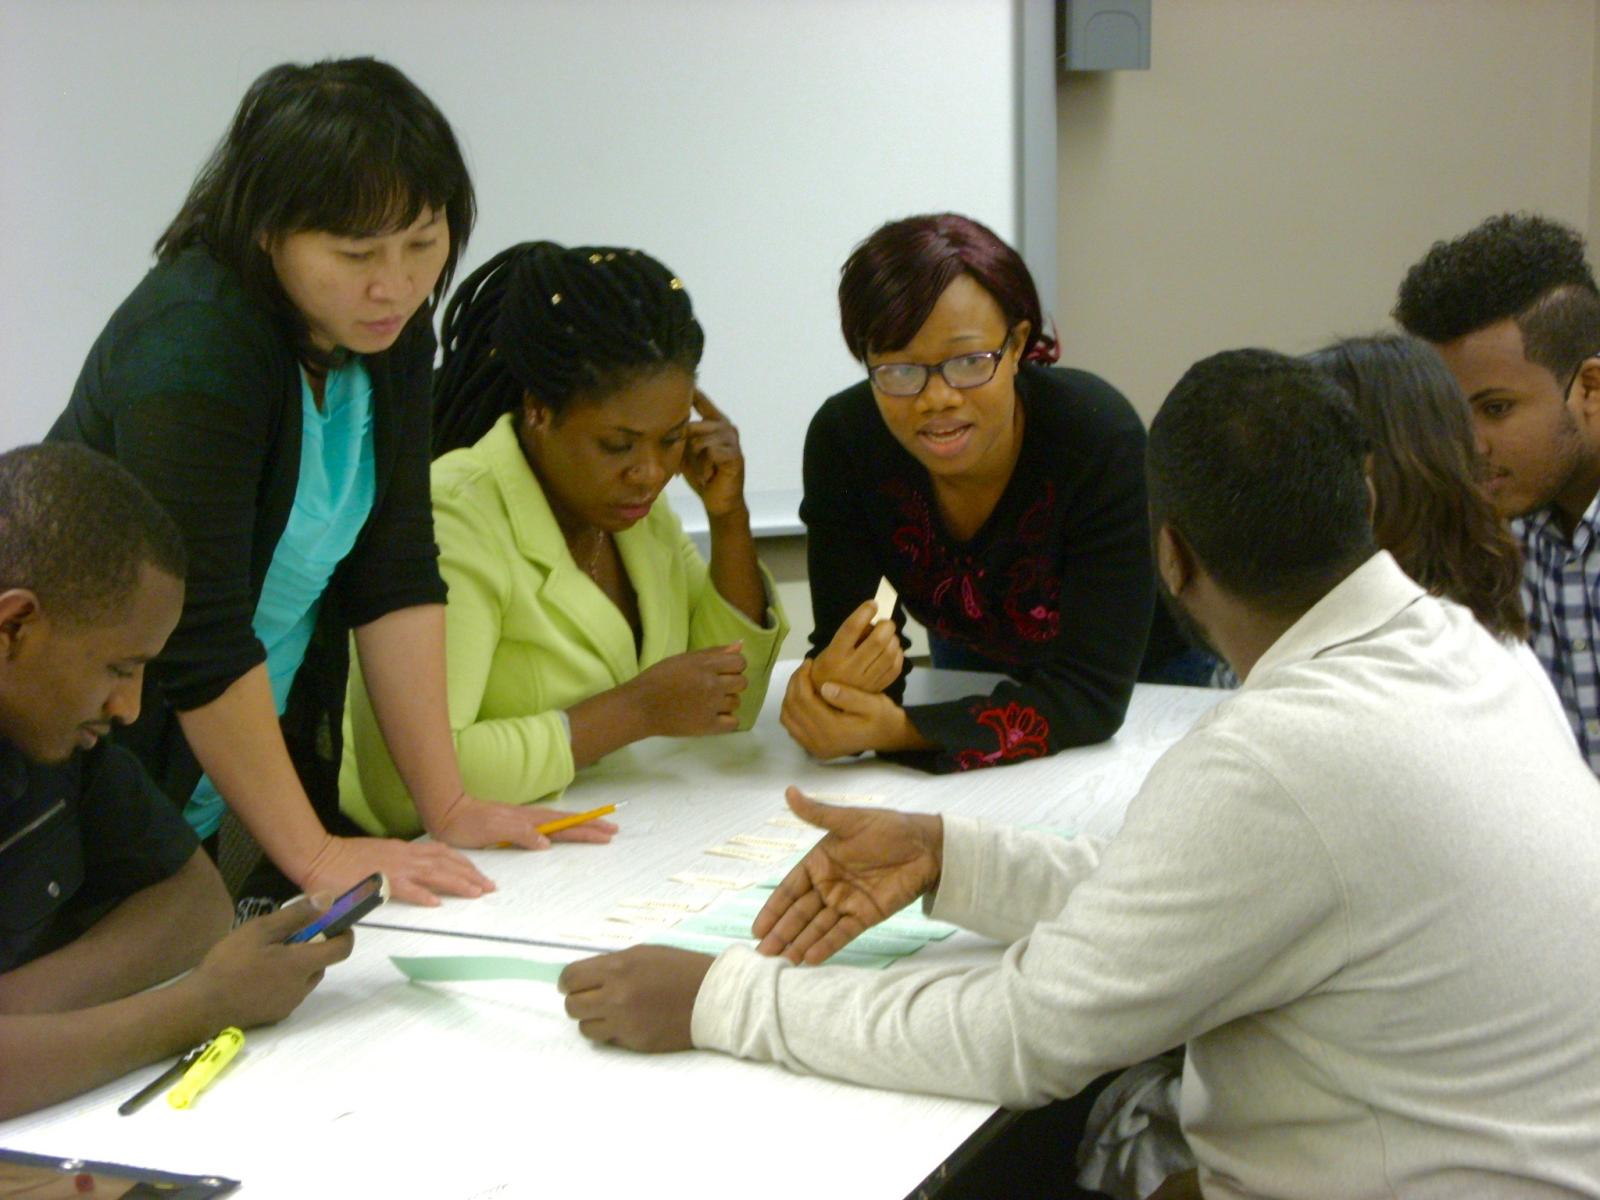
[749, 144]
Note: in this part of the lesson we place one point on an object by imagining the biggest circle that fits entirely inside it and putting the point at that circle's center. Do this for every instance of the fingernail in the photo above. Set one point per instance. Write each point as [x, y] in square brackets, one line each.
[830, 691]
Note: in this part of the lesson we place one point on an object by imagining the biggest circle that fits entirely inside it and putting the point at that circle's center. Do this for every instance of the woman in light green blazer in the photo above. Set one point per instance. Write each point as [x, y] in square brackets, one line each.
[580, 618]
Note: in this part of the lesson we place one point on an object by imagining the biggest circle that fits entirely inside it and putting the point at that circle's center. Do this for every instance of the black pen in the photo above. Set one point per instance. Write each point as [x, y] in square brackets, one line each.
[171, 1074]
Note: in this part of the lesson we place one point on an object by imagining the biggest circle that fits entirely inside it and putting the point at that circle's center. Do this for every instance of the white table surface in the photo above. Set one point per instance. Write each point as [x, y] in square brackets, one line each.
[379, 1087]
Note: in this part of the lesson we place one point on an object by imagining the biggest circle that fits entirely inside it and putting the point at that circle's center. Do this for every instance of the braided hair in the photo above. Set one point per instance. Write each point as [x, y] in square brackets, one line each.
[559, 325]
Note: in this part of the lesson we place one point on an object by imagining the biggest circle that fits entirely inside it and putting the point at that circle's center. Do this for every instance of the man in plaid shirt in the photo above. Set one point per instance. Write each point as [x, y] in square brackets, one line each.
[1513, 309]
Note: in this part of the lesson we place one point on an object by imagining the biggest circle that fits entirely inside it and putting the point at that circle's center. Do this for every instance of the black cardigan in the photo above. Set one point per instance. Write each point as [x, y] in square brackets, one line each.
[1057, 585]
[196, 390]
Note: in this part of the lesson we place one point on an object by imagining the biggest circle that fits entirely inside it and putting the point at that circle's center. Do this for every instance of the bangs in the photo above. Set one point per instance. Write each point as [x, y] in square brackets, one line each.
[376, 186]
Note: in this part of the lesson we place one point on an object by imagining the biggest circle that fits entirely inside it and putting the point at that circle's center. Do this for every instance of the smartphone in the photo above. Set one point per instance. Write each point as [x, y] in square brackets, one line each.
[345, 911]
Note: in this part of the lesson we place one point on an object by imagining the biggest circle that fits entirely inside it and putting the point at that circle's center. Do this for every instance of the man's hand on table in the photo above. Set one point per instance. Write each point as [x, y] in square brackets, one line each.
[641, 998]
[871, 864]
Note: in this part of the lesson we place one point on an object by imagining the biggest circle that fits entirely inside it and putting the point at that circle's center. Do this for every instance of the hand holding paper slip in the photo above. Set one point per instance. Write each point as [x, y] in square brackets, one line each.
[865, 651]
[885, 600]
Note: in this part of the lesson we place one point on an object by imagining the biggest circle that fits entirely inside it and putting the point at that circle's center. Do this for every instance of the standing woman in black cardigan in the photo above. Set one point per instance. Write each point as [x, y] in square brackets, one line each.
[268, 381]
[1003, 499]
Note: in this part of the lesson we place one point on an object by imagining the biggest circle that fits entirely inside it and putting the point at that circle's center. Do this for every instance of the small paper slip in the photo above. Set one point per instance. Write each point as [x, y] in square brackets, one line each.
[747, 853]
[769, 843]
[885, 600]
[790, 821]
[602, 937]
[459, 968]
[676, 905]
[725, 883]
[861, 799]
[652, 917]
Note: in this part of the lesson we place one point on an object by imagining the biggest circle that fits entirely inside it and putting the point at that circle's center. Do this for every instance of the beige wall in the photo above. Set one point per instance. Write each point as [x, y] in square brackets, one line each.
[1270, 178]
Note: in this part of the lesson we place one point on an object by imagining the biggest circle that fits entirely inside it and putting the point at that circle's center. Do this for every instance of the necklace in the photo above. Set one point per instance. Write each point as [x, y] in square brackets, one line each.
[588, 562]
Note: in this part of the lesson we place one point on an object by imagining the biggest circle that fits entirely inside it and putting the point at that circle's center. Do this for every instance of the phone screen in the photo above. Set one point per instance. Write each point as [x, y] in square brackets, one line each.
[345, 911]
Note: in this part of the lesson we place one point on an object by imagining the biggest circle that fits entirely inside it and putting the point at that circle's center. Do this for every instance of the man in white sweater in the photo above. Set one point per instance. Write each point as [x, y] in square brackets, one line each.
[1364, 890]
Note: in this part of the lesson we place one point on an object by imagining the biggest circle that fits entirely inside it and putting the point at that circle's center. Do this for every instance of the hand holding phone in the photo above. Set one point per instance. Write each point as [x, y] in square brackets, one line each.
[345, 911]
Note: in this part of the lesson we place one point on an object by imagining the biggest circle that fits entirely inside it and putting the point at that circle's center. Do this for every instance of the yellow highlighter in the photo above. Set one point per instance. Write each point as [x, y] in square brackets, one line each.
[206, 1068]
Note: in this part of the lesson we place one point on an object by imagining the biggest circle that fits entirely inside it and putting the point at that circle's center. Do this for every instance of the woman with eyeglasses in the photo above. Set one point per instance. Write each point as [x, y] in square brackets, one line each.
[1003, 498]
[268, 382]
[581, 618]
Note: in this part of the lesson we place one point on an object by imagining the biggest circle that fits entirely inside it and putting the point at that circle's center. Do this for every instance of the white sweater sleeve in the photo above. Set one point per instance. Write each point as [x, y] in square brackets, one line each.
[1216, 900]
[1039, 869]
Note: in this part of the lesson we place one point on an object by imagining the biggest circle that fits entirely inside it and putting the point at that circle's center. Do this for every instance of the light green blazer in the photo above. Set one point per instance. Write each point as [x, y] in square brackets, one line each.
[528, 635]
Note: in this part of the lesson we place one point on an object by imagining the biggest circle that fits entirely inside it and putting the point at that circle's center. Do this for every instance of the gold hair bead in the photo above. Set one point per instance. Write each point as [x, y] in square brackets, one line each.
[611, 258]
[594, 258]
[555, 298]
[676, 284]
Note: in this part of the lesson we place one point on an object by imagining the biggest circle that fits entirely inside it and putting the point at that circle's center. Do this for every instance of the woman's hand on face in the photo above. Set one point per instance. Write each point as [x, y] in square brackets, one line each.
[861, 655]
[713, 464]
[833, 721]
[692, 693]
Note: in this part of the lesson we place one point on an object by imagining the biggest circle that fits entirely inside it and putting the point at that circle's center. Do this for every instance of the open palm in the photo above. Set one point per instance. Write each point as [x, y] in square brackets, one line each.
[870, 865]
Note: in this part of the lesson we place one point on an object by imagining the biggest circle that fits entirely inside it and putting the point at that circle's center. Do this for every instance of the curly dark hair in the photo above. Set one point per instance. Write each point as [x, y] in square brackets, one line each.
[1517, 266]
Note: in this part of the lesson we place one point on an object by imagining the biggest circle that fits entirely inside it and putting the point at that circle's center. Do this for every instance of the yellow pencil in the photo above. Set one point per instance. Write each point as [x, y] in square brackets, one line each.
[578, 818]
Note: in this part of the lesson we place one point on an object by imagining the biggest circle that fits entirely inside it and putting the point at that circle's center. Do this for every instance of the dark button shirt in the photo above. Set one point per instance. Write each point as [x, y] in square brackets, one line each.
[77, 838]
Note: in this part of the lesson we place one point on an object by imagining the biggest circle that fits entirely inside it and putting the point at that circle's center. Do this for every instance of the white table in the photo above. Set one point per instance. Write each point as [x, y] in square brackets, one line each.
[381, 1087]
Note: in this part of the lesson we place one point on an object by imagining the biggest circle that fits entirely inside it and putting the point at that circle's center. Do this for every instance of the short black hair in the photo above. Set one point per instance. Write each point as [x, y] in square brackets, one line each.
[1515, 266]
[75, 529]
[561, 324]
[348, 146]
[1256, 460]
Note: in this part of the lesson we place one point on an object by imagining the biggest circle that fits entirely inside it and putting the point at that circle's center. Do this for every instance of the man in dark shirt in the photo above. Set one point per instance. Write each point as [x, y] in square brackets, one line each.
[104, 890]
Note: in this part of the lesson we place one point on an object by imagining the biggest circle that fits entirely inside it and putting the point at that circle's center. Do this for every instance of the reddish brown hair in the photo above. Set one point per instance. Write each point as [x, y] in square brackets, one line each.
[891, 282]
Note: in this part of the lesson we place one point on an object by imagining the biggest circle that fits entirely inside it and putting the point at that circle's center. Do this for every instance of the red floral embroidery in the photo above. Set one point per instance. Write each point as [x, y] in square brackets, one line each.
[1019, 728]
[1002, 615]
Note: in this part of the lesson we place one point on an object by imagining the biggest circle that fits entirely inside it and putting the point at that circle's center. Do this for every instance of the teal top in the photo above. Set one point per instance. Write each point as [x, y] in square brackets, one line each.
[331, 503]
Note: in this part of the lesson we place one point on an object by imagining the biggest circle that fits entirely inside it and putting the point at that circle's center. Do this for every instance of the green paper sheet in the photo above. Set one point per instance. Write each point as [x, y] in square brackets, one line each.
[456, 968]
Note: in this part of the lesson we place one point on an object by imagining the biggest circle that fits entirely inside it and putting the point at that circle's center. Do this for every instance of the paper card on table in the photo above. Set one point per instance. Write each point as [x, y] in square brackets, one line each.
[726, 883]
[457, 968]
[860, 799]
[652, 918]
[790, 821]
[746, 853]
[885, 600]
[601, 938]
[762, 842]
[673, 903]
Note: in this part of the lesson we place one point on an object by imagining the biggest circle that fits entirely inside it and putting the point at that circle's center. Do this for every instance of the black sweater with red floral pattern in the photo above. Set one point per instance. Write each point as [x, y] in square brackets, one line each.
[1057, 585]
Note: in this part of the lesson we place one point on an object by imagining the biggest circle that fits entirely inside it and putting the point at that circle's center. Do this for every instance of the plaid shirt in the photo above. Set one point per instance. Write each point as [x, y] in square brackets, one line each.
[1561, 589]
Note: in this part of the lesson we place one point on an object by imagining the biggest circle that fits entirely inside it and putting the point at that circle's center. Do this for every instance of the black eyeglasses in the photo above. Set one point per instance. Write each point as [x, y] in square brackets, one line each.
[961, 372]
